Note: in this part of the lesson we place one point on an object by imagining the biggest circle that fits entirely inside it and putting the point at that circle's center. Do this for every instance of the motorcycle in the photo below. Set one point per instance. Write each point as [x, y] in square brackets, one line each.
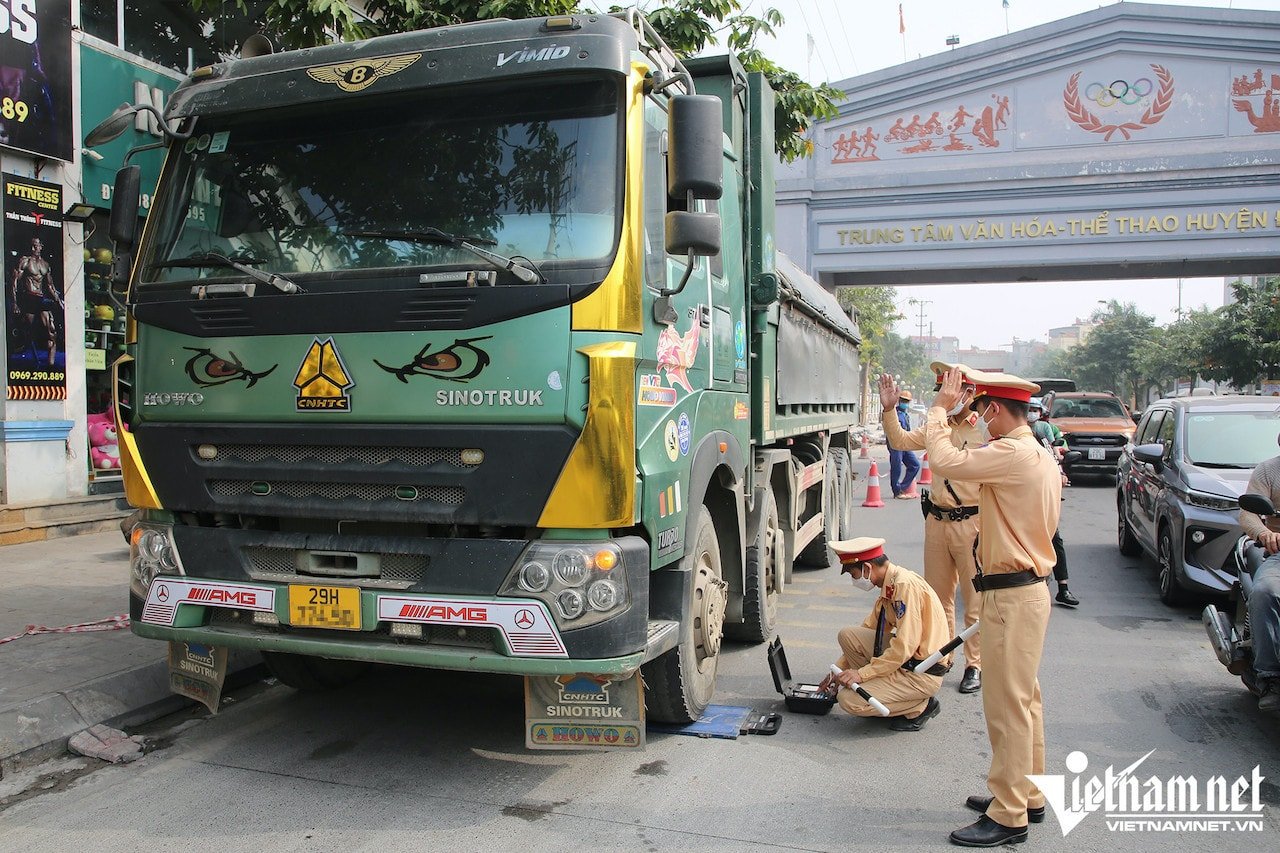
[1230, 636]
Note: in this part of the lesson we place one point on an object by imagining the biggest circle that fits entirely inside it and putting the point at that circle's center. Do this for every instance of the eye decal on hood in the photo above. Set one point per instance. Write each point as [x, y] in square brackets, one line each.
[208, 369]
[461, 361]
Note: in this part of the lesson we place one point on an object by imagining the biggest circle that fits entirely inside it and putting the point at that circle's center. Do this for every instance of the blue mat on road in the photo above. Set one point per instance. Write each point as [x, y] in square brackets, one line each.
[723, 721]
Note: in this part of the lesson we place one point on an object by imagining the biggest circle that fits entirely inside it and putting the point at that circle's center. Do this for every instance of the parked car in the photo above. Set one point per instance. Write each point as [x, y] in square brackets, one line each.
[1095, 423]
[1177, 485]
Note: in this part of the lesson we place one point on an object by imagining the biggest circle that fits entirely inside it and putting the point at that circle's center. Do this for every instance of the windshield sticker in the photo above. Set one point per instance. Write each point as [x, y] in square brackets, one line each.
[1200, 419]
[654, 393]
[361, 74]
[676, 352]
[461, 361]
[207, 369]
[323, 379]
[218, 143]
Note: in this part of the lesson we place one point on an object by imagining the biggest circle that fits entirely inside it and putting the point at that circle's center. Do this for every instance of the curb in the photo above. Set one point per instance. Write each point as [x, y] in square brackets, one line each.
[39, 729]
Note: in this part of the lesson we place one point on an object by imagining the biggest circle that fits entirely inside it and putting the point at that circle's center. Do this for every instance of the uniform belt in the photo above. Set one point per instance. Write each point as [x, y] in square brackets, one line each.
[1005, 580]
[955, 513]
[938, 669]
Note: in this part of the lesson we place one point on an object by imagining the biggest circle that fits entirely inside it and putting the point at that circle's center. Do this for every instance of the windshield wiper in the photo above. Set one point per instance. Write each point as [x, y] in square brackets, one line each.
[1220, 464]
[527, 274]
[240, 264]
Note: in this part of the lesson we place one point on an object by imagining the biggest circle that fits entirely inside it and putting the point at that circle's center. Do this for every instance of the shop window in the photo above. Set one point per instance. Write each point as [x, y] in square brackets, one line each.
[101, 18]
[104, 328]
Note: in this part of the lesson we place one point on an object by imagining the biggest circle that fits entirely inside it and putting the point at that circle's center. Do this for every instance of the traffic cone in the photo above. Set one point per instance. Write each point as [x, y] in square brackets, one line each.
[865, 444]
[873, 487]
[926, 476]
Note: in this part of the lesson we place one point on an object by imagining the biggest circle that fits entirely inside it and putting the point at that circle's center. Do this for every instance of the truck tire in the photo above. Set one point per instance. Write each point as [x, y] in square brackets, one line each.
[679, 684]
[844, 484]
[305, 672]
[763, 568]
[816, 552]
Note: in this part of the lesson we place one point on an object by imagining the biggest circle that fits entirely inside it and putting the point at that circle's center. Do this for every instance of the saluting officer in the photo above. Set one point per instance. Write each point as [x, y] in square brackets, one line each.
[905, 626]
[950, 517]
[1019, 503]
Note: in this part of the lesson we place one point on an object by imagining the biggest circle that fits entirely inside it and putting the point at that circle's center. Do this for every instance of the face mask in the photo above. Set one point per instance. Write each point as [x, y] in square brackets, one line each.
[1032, 417]
[956, 409]
[863, 583]
[902, 407]
[984, 425]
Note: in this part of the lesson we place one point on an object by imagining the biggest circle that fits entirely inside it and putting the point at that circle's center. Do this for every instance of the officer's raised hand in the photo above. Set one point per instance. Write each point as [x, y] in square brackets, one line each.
[889, 392]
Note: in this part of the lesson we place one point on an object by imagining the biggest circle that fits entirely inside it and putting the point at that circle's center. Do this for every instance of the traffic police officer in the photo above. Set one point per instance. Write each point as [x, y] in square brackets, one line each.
[905, 626]
[950, 518]
[1019, 502]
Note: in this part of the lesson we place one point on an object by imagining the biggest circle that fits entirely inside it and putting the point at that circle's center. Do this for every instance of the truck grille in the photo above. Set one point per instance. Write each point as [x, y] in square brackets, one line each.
[267, 563]
[336, 454]
[365, 492]
[1105, 440]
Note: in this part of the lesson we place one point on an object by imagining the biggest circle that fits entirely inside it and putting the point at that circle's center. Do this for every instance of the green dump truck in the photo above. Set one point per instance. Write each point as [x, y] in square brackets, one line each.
[469, 348]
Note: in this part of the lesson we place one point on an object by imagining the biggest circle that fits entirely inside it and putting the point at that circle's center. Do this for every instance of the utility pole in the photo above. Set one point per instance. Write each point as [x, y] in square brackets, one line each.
[920, 303]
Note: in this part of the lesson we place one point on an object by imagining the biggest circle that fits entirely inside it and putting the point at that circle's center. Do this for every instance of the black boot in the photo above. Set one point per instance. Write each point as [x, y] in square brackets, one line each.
[987, 833]
[972, 681]
[1065, 597]
[915, 724]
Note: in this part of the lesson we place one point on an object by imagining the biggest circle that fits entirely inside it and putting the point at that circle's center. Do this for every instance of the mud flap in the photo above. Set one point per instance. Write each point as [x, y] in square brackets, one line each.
[583, 711]
[198, 671]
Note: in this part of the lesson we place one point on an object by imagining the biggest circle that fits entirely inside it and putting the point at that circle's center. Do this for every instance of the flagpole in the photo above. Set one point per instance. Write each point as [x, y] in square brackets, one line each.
[902, 29]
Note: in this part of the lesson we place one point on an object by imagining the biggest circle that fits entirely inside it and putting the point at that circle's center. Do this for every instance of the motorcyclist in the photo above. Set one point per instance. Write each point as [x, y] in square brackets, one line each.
[1264, 600]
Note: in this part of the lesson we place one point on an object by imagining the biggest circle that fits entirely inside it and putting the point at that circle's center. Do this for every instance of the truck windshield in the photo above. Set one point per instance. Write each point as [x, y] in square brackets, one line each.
[531, 170]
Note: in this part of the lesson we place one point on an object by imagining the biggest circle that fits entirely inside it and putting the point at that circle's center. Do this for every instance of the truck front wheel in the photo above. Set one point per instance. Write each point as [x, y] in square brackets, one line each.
[679, 684]
[304, 672]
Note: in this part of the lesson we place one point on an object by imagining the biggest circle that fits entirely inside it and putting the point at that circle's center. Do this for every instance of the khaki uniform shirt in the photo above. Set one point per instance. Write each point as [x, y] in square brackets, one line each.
[1264, 481]
[912, 607]
[1020, 496]
[964, 434]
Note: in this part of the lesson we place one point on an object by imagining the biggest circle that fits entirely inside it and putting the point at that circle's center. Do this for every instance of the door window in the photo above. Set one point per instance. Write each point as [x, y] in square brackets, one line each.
[1150, 428]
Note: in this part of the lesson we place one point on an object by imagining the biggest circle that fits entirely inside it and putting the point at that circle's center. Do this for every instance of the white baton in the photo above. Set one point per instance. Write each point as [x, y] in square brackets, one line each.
[947, 649]
[857, 688]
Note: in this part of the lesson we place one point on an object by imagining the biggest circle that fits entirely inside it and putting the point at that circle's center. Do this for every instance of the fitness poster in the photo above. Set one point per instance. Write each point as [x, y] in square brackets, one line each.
[35, 76]
[35, 313]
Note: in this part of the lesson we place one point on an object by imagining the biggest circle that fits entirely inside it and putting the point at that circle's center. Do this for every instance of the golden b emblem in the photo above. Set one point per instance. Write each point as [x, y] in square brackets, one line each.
[362, 73]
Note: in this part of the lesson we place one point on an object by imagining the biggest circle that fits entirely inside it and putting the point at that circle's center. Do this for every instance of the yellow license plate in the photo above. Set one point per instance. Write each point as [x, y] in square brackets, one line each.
[324, 607]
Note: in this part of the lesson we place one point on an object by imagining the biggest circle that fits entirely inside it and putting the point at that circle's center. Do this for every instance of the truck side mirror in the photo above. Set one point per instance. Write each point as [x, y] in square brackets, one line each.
[691, 233]
[123, 229]
[695, 162]
[124, 207]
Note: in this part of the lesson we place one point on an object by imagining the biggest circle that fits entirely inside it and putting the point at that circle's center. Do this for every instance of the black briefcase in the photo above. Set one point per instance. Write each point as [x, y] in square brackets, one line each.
[800, 698]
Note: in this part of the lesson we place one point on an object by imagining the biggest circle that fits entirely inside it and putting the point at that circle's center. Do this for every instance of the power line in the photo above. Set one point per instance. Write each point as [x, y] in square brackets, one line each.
[835, 54]
[809, 29]
[847, 38]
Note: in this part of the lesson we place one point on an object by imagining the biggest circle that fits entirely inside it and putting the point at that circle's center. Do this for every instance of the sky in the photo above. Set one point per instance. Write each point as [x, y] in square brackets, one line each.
[852, 37]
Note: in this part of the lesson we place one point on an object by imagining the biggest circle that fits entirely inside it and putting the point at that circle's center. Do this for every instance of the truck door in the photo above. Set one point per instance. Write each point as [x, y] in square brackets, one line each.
[728, 290]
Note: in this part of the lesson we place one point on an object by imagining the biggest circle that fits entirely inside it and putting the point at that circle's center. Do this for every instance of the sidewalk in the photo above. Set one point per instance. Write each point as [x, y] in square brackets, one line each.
[54, 685]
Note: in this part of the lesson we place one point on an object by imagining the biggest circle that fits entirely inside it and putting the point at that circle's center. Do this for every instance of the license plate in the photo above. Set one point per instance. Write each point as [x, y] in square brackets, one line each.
[324, 607]
[1097, 453]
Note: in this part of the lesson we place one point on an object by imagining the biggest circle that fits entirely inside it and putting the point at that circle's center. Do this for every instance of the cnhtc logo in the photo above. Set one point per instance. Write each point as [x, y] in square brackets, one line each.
[1130, 804]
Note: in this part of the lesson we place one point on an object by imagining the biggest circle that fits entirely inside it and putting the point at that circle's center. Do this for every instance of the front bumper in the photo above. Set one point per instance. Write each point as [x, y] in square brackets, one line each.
[506, 635]
[1108, 463]
[1207, 566]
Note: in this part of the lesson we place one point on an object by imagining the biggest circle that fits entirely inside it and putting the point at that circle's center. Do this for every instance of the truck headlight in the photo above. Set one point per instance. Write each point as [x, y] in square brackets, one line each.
[151, 552]
[582, 582]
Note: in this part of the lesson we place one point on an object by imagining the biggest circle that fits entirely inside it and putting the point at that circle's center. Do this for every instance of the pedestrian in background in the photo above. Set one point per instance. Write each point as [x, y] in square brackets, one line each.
[1052, 438]
[903, 464]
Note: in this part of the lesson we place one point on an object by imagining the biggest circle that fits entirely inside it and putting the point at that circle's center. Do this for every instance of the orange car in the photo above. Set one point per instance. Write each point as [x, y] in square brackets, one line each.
[1095, 423]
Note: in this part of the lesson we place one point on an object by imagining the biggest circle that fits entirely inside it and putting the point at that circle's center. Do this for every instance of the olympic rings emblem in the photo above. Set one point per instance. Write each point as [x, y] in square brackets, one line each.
[1120, 91]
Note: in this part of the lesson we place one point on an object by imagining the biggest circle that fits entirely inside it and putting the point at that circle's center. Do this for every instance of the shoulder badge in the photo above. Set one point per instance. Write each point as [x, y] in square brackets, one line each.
[972, 420]
[888, 590]
[362, 73]
[900, 607]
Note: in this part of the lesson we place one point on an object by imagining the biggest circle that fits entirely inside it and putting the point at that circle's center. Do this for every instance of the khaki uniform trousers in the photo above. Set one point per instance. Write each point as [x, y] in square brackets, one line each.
[1014, 622]
[902, 692]
[948, 563]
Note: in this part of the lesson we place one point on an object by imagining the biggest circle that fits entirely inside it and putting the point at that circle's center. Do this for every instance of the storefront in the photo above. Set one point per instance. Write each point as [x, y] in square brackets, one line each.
[62, 326]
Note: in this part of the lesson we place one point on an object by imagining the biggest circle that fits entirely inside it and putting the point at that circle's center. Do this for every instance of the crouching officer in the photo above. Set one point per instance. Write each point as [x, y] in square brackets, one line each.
[906, 625]
[950, 518]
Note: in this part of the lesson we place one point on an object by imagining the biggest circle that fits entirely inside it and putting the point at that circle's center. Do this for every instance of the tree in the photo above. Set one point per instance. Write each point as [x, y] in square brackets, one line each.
[1107, 360]
[907, 359]
[688, 26]
[1177, 351]
[1246, 347]
[875, 311]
